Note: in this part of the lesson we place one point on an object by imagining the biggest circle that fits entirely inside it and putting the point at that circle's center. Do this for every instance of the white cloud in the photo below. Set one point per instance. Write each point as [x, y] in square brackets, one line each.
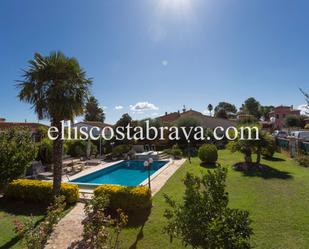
[304, 109]
[164, 63]
[143, 106]
[118, 107]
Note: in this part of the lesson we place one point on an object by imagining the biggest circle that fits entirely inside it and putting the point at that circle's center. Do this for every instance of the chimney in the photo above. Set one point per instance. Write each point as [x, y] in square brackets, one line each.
[2, 120]
[291, 107]
[165, 113]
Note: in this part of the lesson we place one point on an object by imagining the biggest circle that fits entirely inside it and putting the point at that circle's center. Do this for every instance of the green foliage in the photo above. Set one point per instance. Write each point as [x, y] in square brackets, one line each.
[303, 160]
[270, 147]
[78, 148]
[265, 110]
[307, 126]
[46, 151]
[252, 107]
[176, 153]
[221, 113]
[39, 191]
[93, 111]
[250, 146]
[121, 149]
[208, 153]
[57, 88]
[249, 120]
[210, 108]
[292, 121]
[36, 236]
[62, 95]
[204, 219]
[100, 230]
[226, 106]
[128, 199]
[17, 151]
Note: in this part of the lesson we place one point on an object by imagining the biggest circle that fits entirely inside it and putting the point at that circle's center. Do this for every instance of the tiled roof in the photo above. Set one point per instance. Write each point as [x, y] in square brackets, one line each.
[206, 121]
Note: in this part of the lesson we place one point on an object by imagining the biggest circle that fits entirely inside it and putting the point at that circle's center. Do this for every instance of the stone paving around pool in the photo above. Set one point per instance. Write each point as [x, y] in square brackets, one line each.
[69, 229]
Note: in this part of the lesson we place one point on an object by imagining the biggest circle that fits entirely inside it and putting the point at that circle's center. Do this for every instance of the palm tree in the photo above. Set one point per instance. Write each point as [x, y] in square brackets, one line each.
[210, 108]
[57, 88]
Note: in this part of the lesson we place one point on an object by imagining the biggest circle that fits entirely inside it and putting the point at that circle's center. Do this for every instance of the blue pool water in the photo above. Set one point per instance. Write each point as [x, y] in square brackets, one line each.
[127, 173]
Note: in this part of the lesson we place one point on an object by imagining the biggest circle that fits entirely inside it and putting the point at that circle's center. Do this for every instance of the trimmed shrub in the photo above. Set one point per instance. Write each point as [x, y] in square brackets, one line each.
[39, 191]
[128, 199]
[208, 153]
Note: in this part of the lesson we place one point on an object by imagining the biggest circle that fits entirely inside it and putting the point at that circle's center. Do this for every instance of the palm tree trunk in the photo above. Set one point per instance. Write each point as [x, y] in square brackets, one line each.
[57, 160]
[248, 157]
[258, 155]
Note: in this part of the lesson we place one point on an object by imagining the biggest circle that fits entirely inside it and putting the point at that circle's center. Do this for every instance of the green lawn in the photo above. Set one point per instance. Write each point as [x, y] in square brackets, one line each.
[278, 202]
[10, 211]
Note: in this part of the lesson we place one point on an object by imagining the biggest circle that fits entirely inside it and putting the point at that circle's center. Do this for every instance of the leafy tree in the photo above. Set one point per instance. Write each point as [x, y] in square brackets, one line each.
[57, 88]
[226, 106]
[252, 107]
[16, 153]
[265, 110]
[210, 108]
[204, 219]
[292, 121]
[221, 114]
[123, 122]
[93, 111]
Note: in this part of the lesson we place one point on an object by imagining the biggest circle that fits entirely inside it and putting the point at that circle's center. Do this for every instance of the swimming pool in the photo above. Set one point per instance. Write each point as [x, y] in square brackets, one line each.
[127, 173]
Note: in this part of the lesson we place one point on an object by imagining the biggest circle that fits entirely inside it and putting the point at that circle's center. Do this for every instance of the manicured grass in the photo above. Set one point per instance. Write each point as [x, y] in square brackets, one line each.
[278, 202]
[13, 210]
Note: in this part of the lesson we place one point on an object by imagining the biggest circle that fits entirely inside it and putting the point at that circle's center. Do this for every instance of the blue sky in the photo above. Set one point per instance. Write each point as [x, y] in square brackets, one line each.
[164, 52]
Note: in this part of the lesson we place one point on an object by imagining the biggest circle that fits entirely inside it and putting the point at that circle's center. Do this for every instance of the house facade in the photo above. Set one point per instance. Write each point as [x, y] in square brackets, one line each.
[279, 113]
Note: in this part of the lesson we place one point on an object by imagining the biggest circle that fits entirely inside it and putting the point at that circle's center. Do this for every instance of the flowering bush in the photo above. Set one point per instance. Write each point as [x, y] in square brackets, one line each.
[128, 199]
[39, 191]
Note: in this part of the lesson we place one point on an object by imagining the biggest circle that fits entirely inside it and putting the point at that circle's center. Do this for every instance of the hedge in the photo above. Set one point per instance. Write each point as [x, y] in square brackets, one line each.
[39, 191]
[208, 153]
[129, 199]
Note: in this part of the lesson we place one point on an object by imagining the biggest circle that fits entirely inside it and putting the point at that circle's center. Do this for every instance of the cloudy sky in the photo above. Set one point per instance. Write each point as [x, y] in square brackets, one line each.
[151, 56]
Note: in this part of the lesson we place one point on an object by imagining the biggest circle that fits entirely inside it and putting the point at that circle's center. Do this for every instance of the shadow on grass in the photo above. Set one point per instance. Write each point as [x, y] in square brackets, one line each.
[274, 159]
[16, 208]
[139, 237]
[208, 165]
[262, 170]
[21, 208]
